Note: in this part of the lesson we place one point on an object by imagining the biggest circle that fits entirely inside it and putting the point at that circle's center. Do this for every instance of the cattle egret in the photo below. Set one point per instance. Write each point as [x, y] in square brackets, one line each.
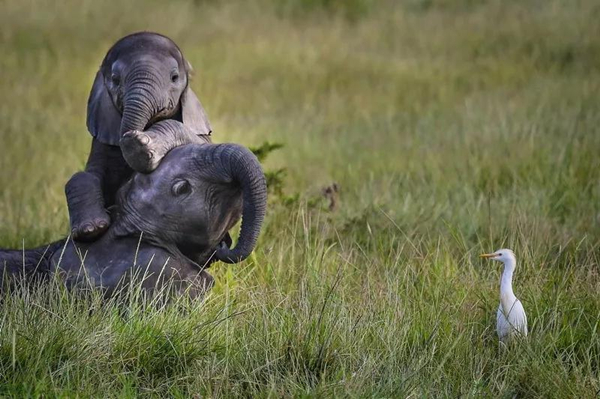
[510, 318]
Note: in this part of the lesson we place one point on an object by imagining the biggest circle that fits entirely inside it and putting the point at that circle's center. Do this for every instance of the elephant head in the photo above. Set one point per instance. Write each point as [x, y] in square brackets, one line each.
[197, 193]
[143, 78]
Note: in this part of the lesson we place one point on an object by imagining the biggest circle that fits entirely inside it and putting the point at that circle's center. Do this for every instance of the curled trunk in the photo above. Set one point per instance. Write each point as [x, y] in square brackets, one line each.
[234, 163]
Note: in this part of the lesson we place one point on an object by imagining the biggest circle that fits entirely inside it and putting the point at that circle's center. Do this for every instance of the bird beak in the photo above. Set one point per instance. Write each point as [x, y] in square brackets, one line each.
[487, 255]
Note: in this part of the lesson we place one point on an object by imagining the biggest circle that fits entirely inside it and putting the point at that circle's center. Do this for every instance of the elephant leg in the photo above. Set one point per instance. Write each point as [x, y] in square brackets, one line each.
[89, 192]
[85, 201]
[143, 151]
[26, 265]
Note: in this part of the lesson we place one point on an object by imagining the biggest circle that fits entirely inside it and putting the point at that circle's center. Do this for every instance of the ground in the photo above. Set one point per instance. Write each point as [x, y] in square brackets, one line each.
[451, 128]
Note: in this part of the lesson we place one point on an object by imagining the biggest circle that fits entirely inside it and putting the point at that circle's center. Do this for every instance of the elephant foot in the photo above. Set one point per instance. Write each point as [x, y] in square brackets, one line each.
[90, 229]
[138, 151]
[89, 219]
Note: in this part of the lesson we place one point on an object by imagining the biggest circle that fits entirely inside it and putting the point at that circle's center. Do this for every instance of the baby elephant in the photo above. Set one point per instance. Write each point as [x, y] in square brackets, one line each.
[143, 79]
[167, 225]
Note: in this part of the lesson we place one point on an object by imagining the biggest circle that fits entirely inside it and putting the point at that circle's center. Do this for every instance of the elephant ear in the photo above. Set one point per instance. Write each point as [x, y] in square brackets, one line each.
[103, 118]
[193, 114]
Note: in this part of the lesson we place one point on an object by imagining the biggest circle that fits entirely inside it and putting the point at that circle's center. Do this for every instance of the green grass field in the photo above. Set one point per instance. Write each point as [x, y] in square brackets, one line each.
[452, 128]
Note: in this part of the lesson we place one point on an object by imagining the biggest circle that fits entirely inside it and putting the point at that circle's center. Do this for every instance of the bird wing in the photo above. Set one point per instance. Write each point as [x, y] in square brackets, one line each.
[517, 317]
[503, 327]
[515, 322]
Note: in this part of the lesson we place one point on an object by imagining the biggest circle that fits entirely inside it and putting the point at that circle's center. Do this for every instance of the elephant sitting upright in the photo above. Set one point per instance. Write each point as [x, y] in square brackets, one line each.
[166, 225]
[143, 79]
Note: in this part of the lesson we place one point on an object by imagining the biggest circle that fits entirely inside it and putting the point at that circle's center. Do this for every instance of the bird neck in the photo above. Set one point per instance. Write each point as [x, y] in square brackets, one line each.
[507, 296]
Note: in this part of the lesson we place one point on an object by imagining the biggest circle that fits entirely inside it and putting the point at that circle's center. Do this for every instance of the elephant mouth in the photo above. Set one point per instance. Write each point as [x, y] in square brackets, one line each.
[161, 115]
[167, 111]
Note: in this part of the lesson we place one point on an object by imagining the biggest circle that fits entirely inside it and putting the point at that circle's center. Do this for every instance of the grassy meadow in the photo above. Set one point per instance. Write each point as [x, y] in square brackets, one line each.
[452, 128]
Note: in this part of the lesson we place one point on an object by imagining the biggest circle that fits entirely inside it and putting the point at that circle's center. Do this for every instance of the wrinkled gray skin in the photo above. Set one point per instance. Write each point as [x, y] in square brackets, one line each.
[143, 79]
[184, 209]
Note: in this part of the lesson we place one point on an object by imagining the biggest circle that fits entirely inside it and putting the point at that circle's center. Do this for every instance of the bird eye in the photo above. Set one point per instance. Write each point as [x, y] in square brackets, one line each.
[181, 187]
[174, 77]
[500, 254]
[114, 78]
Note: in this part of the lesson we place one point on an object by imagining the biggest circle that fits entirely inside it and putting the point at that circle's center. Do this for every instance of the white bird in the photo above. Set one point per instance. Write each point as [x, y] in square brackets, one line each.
[511, 319]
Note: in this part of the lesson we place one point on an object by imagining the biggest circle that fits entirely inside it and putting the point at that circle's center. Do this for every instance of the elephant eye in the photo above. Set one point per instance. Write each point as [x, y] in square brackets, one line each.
[174, 77]
[114, 78]
[181, 187]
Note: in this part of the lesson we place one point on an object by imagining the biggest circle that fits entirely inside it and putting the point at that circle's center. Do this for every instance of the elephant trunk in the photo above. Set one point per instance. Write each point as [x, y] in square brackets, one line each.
[239, 165]
[140, 104]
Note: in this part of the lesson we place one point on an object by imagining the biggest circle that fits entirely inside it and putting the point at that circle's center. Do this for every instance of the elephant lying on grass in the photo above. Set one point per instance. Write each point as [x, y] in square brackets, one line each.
[167, 225]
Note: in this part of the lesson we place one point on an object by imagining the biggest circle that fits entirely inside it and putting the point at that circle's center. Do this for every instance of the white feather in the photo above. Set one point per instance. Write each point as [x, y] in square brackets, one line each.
[511, 320]
[512, 324]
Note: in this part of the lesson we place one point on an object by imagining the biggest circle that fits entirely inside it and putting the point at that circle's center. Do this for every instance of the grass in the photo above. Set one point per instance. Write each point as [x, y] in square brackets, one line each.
[452, 128]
